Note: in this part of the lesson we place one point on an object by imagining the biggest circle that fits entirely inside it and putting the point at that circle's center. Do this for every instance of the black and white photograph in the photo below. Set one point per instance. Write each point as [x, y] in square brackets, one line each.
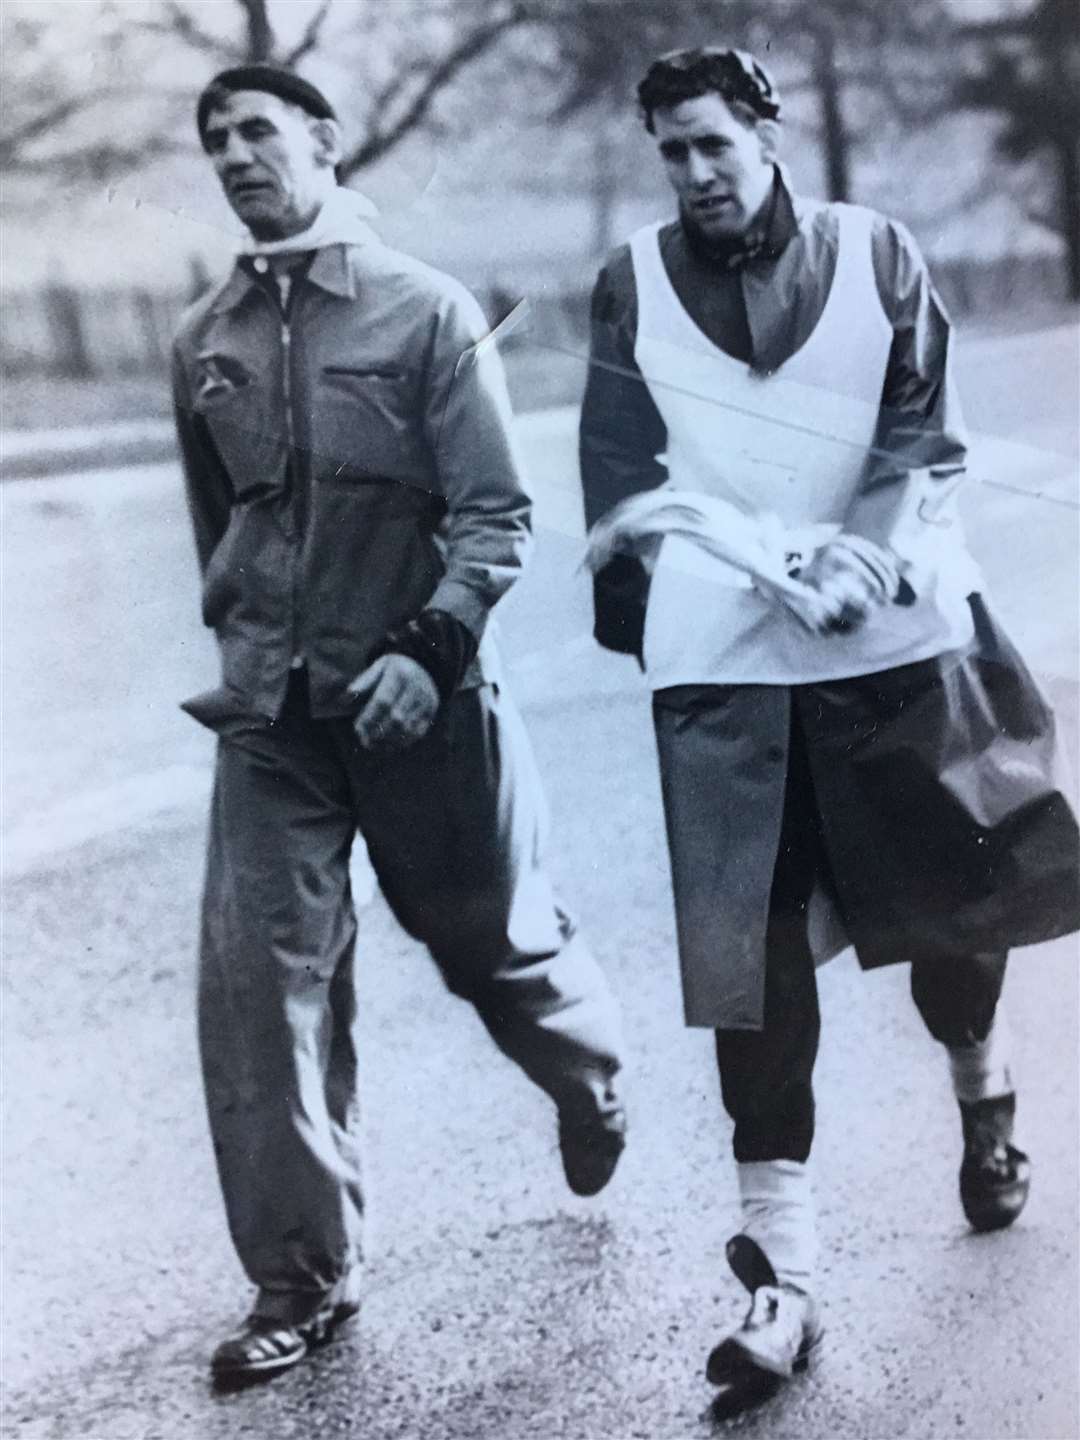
[540, 600]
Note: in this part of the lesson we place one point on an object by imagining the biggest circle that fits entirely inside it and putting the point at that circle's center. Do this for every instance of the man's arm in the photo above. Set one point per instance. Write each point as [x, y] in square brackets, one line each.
[206, 483]
[917, 460]
[468, 422]
[921, 443]
[622, 433]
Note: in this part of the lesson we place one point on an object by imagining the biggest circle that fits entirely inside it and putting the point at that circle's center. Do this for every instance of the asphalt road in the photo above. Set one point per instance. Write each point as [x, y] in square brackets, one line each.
[497, 1306]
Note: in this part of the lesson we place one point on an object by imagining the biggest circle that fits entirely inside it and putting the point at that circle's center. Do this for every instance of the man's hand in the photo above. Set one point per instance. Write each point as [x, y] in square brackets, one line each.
[400, 703]
[853, 579]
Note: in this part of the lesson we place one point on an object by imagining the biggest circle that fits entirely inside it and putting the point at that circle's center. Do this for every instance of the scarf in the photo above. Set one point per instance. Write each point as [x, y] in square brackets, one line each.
[341, 221]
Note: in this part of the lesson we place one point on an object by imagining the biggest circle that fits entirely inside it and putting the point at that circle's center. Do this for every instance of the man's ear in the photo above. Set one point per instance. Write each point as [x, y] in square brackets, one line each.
[328, 142]
[768, 133]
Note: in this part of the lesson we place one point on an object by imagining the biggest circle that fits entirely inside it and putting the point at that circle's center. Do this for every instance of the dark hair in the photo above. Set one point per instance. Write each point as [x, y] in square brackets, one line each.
[687, 74]
[273, 80]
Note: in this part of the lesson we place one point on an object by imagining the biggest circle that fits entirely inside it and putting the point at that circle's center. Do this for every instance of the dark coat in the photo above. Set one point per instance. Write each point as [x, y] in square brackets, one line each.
[947, 818]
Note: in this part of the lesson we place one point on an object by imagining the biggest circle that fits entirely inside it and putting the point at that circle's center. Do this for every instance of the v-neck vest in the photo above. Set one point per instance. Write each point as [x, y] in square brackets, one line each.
[789, 447]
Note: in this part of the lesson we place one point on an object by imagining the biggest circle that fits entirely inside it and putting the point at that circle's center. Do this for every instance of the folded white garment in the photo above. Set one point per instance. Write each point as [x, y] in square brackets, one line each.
[756, 545]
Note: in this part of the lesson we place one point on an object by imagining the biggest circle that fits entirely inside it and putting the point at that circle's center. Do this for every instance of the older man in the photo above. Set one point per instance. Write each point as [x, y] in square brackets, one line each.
[358, 511]
[837, 715]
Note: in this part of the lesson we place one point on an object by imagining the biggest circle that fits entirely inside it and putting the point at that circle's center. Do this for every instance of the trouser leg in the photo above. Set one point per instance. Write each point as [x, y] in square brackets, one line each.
[454, 826]
[766, 1076]
[959, 999]
[277, 1010]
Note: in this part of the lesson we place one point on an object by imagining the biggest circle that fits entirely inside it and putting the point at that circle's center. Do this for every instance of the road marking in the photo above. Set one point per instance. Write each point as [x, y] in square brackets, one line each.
[139, 802]
[108, 810]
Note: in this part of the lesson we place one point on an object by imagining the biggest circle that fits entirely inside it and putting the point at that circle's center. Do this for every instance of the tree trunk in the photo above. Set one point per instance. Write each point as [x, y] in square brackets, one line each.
[605, 192]
[261, 41]
[71, 354]
[1068, 161]
[835, 138]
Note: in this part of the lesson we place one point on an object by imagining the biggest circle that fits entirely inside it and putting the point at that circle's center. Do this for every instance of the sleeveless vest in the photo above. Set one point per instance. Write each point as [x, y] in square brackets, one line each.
[789, 448]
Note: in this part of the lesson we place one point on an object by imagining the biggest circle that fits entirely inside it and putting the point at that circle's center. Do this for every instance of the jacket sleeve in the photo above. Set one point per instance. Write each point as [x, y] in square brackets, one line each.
[622, 434]
[469, 426]
[920, 446]
[206, 482]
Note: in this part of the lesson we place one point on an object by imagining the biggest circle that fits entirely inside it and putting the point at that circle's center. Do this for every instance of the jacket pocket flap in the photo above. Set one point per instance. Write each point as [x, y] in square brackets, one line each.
[223, 711]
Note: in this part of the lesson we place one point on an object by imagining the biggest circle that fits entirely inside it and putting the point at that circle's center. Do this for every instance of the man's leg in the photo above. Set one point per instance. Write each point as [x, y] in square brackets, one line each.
[454, 826]
[959, 1000]
[276, 1013]
[765, 1074]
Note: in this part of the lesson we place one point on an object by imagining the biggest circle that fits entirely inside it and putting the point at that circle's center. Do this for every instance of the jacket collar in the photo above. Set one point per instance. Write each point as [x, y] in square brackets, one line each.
[767, 238]
[330, 271]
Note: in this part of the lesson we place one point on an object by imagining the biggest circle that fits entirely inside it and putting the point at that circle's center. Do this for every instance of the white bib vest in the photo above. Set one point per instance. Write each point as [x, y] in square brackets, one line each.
[789, 448]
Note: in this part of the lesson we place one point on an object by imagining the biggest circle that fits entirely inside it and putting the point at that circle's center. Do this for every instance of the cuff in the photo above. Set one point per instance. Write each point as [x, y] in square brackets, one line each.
[464, 603]
[437, 641]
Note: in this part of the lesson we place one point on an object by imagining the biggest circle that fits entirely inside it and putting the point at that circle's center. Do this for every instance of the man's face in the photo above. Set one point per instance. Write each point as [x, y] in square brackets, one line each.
[270, 160]
[721, 169]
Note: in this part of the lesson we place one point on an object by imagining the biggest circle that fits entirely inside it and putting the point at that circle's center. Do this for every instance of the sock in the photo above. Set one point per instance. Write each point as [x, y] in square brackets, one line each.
[981, 1071]
[779, 1214]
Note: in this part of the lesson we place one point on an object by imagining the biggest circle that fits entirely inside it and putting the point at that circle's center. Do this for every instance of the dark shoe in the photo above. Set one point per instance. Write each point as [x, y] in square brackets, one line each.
[995, 1177]
[592, 1136]
[259, 1349]
[262, 1348]
[780, 1332]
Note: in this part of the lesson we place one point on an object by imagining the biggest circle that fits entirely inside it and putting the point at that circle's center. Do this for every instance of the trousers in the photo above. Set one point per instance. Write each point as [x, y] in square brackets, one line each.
[454, 826]
[766, 1076]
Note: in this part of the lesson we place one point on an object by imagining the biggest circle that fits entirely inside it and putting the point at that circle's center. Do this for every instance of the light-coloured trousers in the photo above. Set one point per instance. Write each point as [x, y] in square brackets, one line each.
[454, 828]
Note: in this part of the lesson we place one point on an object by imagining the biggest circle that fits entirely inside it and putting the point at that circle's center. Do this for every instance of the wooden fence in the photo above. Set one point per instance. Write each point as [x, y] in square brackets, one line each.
[63, 330]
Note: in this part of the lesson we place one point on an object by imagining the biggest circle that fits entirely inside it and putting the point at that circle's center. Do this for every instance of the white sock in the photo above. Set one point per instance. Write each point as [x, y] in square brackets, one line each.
[779, 1214]
[981, 1071]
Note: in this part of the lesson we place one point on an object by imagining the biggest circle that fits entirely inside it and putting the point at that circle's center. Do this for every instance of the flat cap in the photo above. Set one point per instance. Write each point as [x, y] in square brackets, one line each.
[274, 80]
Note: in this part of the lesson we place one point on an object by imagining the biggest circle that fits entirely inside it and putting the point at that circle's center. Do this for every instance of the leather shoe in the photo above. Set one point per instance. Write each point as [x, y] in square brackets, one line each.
[780, 1332]
[995, 1177]
[592, 1136]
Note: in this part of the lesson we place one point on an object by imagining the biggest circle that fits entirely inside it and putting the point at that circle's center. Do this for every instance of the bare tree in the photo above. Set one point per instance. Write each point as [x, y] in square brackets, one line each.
[1026, 69]
[399, 105]
[405, 72]
[257, 41]
[405, 101]
[41, 96]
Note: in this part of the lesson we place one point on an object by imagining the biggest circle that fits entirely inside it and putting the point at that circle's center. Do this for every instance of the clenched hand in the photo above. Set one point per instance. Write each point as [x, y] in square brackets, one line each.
[400, 702]
[854, 577]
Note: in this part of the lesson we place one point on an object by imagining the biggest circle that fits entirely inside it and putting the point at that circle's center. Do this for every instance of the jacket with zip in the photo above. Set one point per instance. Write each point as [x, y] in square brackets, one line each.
[348, 462]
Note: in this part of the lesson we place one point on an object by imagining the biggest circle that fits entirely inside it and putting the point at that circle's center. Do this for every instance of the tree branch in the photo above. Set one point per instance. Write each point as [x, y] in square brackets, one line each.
[310, 37]
[13, 140]
[1006, 28]
[443, 73]
[183, 25]
[1045, 219]
[98, 162]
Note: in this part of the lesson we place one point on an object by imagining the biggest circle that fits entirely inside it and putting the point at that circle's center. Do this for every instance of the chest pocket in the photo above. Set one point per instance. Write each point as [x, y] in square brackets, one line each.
[235, 405]
[367, 424]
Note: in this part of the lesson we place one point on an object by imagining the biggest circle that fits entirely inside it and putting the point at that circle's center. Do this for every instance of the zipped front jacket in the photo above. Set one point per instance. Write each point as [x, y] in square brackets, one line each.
[349, 462]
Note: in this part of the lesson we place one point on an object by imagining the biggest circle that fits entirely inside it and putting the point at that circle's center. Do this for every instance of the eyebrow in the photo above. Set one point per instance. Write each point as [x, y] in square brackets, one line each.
[676, 145]
[248, 122]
